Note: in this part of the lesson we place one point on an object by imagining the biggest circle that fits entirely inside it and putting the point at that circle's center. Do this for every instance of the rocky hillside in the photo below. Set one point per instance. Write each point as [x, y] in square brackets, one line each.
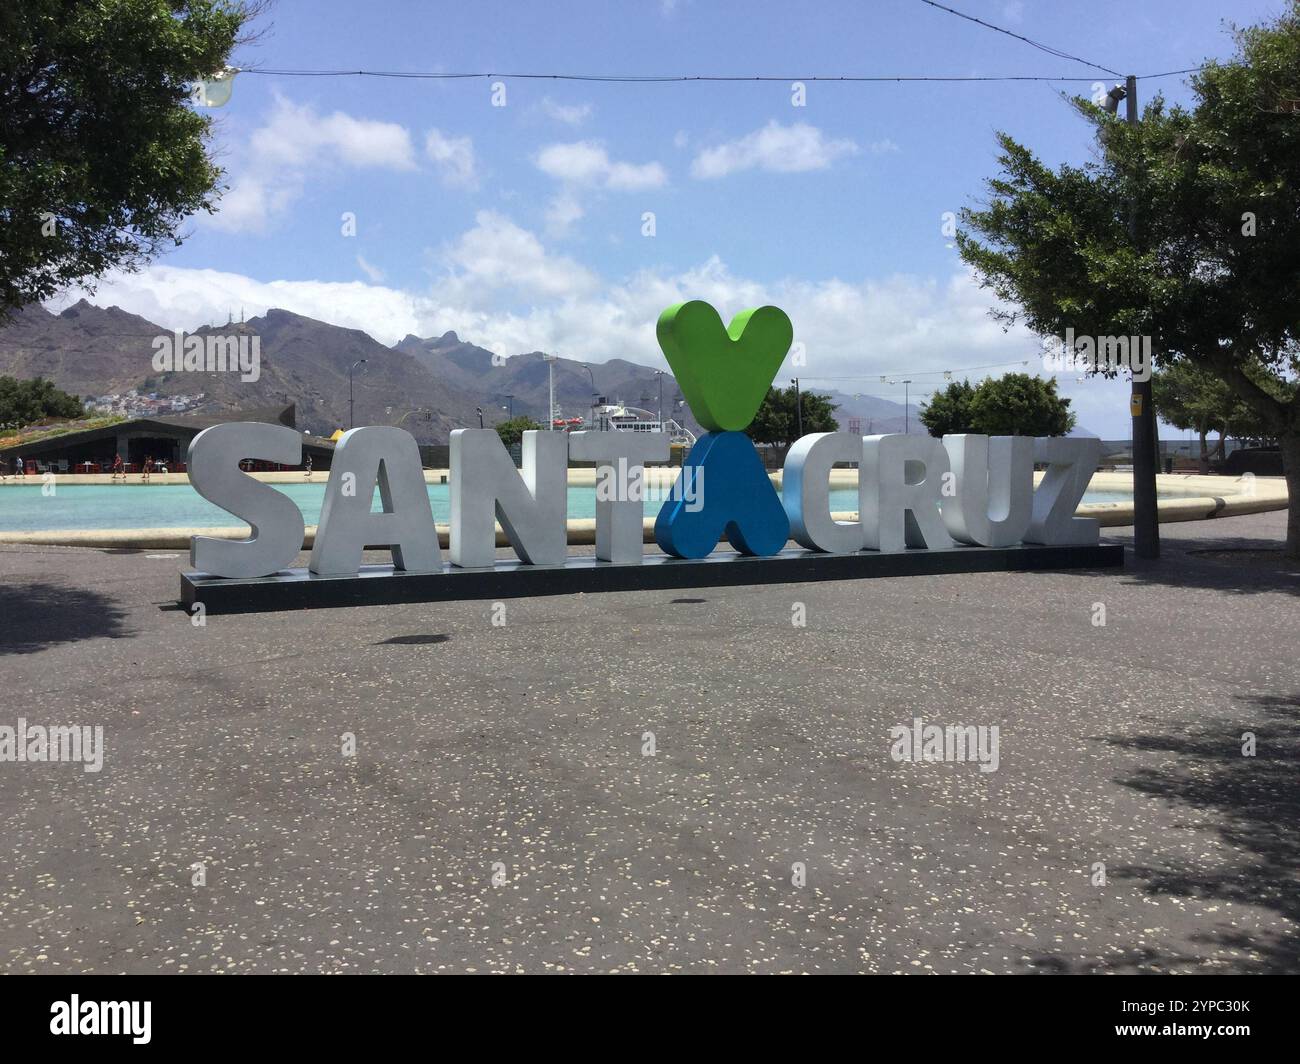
[429, 385]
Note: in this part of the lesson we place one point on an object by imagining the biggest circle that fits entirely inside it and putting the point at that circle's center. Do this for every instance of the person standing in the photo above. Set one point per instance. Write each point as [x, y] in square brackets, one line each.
[18, 466]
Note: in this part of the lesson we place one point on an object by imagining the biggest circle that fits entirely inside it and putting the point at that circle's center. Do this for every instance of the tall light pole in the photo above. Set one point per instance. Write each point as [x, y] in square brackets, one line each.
[798, 405]
[550, 385]
[660, 374]
[351, 404]
[510, 400]
[907, 407]
[592, 409]
[1146, 517]
[420, 413]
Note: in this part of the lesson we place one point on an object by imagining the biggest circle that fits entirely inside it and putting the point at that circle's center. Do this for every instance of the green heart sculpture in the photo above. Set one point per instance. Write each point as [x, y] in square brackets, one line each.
[724, 373]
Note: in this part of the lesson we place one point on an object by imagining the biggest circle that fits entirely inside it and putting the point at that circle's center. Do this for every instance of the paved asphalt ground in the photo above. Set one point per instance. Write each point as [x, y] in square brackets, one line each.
[523, 744]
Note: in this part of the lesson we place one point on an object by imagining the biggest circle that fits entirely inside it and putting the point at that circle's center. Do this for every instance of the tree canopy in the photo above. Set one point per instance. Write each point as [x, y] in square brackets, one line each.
[947, 413]
[778, 418]
[512, 431]
[101, 155]
[1185, 228]
[28, 401]
[1016, 404]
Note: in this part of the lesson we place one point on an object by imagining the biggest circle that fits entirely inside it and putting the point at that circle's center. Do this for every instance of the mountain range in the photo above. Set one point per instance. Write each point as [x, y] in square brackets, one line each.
[428, 385]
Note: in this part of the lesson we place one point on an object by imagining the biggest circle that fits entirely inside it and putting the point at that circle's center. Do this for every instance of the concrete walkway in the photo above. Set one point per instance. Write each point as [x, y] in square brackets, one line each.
[520, 749]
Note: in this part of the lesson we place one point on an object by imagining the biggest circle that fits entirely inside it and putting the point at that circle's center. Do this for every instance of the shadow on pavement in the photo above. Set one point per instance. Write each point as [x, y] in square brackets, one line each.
[40, 615]
[1231, 564]
[1253, 804]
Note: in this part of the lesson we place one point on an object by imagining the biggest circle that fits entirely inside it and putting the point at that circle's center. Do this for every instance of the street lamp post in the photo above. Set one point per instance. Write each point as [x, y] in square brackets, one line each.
[798, 405]
[351, 401]
[1146, 518]
[906, 405]
[550, 387]
[592, 410]
[479, 411]
[660, 374]
[420, 413]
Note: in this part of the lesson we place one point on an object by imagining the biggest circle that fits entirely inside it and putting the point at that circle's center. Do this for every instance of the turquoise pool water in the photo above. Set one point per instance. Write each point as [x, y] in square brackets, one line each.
[91, 506]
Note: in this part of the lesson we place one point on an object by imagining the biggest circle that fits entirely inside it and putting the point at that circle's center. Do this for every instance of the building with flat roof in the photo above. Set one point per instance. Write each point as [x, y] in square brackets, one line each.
[163, 438]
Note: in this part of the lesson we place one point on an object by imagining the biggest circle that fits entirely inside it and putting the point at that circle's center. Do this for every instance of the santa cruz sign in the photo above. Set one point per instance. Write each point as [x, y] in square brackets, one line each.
[963, 503]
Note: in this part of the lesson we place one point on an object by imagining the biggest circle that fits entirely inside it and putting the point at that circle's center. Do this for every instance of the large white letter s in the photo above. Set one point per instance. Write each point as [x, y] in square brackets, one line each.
[213, 463]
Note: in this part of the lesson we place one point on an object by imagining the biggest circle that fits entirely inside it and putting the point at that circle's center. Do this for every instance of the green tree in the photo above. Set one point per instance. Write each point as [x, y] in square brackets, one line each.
[948, 412]
[512, 431]
[1186, 229]
[1193, 399]
[1013, 405]
[778, 418]
[26, 402]
[101, 154]
[1018, 404]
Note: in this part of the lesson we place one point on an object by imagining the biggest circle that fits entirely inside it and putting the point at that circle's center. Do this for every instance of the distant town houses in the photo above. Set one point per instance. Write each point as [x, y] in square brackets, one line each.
[133, 404]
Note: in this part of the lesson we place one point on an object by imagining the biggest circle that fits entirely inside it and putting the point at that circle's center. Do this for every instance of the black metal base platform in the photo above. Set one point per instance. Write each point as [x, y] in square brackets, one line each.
[376, 585]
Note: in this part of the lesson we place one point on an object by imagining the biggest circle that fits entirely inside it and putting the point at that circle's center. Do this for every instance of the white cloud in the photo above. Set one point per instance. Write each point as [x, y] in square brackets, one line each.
[253, 200]
[502, 289]
[561, 214]
[794, 148]
[498, 262]
[293, 143]
[181, 298]
[587, 163]
[570, 114]
[296, 136]
[500, 286]
[375, 274]
[453, 156]
[884, 147]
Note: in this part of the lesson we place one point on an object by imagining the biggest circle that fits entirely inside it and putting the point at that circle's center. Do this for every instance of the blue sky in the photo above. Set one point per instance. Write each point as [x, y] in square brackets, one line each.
[521, 226]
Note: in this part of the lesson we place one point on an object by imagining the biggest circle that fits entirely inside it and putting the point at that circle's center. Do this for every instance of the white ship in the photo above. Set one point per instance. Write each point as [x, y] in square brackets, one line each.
[619, 417]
